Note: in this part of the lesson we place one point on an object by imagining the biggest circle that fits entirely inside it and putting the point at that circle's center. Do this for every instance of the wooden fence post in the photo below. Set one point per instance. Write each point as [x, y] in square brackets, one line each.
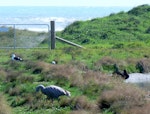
[52, 34]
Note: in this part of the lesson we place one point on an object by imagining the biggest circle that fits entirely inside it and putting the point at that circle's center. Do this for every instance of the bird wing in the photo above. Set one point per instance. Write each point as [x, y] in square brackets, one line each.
[16, 58]
[54, 91]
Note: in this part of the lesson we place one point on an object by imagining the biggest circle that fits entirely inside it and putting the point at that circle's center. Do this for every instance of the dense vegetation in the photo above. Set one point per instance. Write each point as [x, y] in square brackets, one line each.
[121, 39]
[130, 26]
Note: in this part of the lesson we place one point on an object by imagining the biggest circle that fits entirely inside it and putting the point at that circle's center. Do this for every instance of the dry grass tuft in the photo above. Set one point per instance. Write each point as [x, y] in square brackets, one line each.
[14, 91]
[122, 97]
[138, 110]
[37, 67]
[3, 74]
[60, 73]
[64, 101]
[14, 64]
[82, 103]
[40, 55]
[4, 107]
[88, 77]
[12, 76]
[96, 77]
[78, 103]
[143, 65]
[37, 101]
[64, 70]
[25, 79]
[79, 65]
[105, 63]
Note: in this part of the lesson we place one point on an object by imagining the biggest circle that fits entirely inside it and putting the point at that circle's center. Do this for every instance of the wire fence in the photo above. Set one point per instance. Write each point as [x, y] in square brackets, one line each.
[24, 35]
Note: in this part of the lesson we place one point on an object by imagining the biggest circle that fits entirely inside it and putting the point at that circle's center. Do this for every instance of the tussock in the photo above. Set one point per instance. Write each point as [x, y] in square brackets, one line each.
[82, 102]
[122, 97]
[143, 65]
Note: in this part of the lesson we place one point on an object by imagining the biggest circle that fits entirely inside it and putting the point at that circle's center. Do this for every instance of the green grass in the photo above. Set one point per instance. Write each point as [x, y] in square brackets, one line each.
[19, 80]
[121, 27]
[84, 72]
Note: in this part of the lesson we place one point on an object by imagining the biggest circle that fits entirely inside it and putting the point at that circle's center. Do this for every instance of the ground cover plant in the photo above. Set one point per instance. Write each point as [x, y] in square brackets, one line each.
[86, 73]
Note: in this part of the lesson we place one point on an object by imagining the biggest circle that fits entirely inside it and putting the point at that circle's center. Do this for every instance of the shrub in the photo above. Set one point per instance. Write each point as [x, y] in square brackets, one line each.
[12, 76]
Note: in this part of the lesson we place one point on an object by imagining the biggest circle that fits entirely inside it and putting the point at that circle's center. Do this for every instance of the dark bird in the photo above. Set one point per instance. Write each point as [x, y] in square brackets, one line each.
[123, 74]
[52, 91]
[16, 58]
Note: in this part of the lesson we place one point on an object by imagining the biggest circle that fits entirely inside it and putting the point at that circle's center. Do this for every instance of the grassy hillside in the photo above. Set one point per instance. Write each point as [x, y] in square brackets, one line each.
[121, 39]
[131, 26]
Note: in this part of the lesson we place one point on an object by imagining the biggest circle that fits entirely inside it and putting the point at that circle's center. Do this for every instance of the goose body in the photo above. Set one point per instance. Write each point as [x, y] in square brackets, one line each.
[138, 78]
[52, 91]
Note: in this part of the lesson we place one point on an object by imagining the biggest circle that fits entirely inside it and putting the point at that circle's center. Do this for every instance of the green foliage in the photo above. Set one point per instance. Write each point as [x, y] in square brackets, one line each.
[127, 27]
[140, 10]
[121, 39]
[107, 112]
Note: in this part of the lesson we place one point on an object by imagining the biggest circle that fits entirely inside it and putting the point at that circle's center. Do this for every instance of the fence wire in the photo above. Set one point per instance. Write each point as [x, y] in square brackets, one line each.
[24, 35]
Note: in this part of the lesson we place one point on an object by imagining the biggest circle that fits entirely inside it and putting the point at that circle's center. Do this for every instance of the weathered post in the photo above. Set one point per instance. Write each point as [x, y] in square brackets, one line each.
[14, 37]
[52, 34]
